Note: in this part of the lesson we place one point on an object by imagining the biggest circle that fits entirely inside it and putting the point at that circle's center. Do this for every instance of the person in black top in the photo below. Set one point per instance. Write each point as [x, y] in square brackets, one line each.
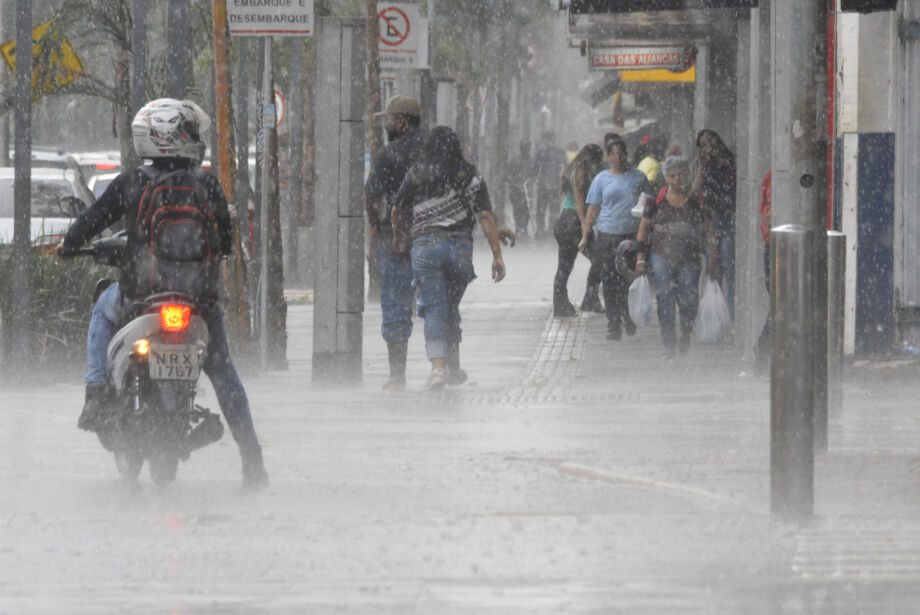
[440, 200]
[548, 164]
[679, 229]
[402, 118]
[520, 170]
[168, 131]
[716, 180]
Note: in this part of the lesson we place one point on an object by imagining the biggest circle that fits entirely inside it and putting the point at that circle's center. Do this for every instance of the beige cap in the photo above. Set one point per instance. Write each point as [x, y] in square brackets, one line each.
[401, 105]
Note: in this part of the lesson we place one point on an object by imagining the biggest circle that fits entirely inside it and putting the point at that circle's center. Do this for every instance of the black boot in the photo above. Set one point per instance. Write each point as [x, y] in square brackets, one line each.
[254, 474]
[563, 308]
[591, 301]
[396, 351]
[455, 375]
[95, 408]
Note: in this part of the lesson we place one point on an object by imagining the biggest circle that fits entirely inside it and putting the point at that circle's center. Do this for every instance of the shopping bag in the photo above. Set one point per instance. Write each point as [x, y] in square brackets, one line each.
[713, 315]
[640, 301]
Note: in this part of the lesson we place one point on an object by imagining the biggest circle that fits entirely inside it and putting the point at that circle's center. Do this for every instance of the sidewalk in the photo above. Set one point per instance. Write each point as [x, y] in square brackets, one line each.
[571, 474]
[666, 463]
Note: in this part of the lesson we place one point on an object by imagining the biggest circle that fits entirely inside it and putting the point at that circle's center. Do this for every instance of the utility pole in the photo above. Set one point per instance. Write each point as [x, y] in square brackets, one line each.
[178, 22]
[297, 115]
[238, 312]
[273, 309]
[373, 106]
[138, 70]
[799, 51]
[20, 321]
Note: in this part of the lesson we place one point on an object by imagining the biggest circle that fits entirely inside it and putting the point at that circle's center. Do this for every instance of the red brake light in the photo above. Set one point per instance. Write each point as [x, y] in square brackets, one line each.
[175, 317]
[105, 166]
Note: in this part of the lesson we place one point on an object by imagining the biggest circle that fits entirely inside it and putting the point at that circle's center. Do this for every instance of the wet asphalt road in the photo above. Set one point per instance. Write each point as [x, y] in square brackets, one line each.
[570, 475]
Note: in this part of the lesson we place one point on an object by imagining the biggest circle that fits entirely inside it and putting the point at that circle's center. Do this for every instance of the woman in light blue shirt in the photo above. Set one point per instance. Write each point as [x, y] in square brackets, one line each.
[611, 197]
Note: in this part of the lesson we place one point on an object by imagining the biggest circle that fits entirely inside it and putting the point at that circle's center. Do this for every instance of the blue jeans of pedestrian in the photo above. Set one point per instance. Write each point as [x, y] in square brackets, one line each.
[725, 236]
[234, 404]
[442, 268]
[678, 287]
[396, 292]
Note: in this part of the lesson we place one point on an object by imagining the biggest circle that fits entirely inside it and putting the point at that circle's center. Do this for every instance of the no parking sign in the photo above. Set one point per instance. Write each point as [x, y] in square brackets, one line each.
[403, 36]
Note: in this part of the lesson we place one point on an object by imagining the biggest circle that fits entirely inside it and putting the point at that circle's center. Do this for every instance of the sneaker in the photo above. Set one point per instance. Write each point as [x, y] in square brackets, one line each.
[437, 379]
[455, 377]
[394, 385]
[564, 310]
[614, 332]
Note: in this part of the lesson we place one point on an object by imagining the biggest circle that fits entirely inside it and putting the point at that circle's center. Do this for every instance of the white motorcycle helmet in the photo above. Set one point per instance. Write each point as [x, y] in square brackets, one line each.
[170, 128]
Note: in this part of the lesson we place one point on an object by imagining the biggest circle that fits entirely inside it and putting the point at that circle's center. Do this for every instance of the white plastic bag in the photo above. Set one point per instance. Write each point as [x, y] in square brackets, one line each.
[640, 301]
[713, 315]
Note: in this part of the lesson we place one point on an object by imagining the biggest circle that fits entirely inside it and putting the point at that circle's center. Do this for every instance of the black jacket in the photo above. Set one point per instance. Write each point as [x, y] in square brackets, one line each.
[122, 200]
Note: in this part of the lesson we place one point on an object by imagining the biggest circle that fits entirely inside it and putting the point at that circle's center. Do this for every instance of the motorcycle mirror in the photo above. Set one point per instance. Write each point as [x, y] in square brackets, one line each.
[72, 206]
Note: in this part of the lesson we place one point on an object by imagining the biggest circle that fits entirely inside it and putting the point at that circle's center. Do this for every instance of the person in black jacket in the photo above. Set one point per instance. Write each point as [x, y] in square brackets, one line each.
[168, 131]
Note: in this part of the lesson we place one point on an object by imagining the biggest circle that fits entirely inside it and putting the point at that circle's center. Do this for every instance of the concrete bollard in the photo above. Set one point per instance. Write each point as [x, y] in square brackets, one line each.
[792, 378]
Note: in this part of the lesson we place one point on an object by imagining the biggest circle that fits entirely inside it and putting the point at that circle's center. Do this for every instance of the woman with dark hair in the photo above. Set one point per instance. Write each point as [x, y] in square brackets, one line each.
[568, 230]
[611, 197]
[678, 229]
[441, 198]
[716, 180]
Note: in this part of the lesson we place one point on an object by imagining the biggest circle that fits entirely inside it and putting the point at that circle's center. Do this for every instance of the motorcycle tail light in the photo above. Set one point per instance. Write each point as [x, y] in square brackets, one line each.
[175, 317]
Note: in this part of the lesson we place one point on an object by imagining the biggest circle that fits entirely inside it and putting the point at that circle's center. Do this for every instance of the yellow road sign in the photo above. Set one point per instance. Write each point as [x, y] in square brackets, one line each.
[54, 61]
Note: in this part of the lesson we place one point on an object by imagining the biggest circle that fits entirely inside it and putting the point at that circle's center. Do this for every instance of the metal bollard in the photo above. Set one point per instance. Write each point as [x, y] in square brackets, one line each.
[836, 285]
[792, 374]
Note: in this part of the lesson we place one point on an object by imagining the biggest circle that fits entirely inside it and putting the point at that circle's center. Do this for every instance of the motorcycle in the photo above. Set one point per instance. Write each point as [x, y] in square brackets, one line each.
[154, 359]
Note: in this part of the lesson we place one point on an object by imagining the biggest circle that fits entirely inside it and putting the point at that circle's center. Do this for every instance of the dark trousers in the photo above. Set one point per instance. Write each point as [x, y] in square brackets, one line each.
[521, 212]
[616, 288]
[567, 232]
[547, 201]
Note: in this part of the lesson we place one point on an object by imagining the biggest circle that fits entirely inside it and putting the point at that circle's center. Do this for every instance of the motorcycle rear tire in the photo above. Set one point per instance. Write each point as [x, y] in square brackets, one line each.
[128, 463]
[163, 468]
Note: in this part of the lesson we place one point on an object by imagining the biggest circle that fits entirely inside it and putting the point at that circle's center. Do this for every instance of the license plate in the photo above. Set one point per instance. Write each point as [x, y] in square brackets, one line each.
[173, 362]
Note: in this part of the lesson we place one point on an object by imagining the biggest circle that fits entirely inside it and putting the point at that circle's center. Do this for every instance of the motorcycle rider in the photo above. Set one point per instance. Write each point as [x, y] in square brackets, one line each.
[168, 132]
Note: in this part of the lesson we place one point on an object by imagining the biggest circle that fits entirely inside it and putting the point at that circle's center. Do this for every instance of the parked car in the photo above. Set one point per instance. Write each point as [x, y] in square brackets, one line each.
[52, 210]
[98, 183]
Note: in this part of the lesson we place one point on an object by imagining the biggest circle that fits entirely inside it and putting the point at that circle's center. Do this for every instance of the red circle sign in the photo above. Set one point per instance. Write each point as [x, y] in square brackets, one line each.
[394, 26]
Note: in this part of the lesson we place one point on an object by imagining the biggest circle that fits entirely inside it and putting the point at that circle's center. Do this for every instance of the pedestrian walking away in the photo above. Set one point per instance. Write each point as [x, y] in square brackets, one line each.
[548, 164]
[568, 231]
[716, 180]
[520, 170]
[676, 229]
[402, 117]
[441, 198]
[611, 197]
[167, 131]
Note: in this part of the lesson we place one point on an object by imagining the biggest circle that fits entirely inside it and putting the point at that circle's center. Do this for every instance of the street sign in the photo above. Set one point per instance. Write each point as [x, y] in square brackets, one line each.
[279, 108]
[54, 61]
[270, 17]
[619, 58]
[403, 36]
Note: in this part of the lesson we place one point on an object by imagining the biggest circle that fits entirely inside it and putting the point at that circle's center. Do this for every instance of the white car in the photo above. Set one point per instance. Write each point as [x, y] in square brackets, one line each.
[50, 217]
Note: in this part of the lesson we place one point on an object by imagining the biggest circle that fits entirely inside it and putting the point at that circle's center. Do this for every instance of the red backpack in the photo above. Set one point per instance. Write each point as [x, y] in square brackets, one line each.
[179, 233]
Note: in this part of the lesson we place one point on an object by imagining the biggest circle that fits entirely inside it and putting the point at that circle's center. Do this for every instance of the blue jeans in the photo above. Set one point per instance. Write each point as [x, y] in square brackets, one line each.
[725, 236]
[678, 286]
[107, 315]
[442, 269]
[396, 292]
